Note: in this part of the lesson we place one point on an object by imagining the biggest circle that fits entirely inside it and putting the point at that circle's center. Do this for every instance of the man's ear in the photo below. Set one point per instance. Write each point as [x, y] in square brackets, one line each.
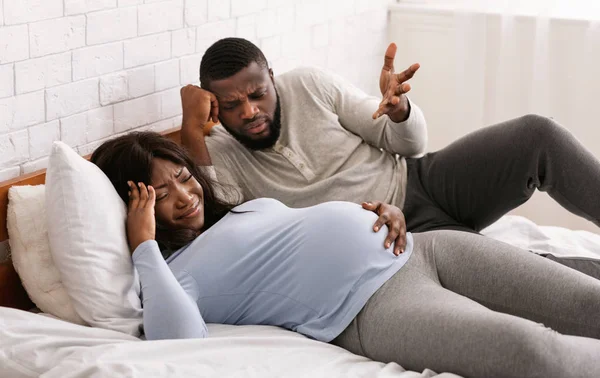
[271, 75]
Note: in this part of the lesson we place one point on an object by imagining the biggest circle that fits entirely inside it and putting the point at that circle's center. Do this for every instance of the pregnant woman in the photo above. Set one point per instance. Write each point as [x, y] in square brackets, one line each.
[451, 301]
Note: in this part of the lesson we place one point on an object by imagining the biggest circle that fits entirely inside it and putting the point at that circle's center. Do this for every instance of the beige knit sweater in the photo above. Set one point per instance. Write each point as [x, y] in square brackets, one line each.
[330, 148]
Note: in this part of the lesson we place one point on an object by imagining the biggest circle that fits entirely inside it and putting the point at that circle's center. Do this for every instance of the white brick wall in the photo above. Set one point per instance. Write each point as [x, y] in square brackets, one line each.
[150, 49]
[138, 112]
[97, 60]
[48, 71]
[158, 17]
[7, 80]
[166, 75]
[21, 111]
[23, 11]
[244, 7]
[183, 42]
[113, 88]
[86, 6]
[83, 71]
[87, 127]
[72, 98]
[15, 148]
[140, 81]
[196, 12]
[57, 35]
[111, 25]
[218, 10]
[14, 43]
[41, 138]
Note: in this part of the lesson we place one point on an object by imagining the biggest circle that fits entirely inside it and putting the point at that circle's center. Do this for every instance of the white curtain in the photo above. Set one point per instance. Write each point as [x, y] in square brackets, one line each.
[484, 62]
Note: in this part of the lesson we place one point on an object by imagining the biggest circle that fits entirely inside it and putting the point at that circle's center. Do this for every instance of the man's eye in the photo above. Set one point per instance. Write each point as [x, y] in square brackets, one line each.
[258, 95]
[228, 107]
[188, 178]
[161, 197]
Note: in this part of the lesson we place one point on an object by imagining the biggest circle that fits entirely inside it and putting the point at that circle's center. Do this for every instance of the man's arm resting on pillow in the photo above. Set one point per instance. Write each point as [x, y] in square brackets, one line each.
[170, 308]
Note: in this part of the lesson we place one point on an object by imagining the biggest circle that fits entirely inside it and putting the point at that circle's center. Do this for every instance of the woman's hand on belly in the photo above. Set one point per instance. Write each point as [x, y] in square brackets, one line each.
[393, 217]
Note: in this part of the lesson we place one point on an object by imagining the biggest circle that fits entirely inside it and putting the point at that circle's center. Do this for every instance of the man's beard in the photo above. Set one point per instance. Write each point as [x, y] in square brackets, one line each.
[268, 142]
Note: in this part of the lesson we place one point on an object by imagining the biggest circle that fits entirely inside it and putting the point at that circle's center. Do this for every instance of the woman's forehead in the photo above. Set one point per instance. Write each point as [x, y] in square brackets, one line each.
[165, 168]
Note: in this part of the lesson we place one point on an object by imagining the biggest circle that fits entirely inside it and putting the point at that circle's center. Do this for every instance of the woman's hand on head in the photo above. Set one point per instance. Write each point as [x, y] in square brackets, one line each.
[393, 217]
[141, 225]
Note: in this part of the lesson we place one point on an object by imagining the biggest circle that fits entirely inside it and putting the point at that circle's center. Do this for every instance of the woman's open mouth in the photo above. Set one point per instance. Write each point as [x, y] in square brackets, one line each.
[192, 212]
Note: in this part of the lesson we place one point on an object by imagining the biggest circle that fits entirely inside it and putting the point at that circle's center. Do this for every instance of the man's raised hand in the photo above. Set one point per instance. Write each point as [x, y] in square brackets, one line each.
[393, 88]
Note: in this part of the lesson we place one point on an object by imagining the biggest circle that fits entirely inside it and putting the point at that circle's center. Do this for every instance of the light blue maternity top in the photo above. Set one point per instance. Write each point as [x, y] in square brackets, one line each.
[310, 270]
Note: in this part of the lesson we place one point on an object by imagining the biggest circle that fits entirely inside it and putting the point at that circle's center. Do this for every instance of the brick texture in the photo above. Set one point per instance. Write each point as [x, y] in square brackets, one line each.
[83, 71]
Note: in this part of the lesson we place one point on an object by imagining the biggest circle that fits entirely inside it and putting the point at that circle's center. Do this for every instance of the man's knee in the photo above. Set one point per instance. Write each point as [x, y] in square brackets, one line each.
[541, 128]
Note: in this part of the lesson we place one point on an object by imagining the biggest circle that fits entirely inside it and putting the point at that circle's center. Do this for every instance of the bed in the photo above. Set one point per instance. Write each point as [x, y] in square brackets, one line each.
[36, 344]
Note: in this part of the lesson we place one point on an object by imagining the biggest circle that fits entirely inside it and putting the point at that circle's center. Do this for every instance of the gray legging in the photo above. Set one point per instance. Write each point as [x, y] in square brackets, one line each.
[477, 179]
[472, 306]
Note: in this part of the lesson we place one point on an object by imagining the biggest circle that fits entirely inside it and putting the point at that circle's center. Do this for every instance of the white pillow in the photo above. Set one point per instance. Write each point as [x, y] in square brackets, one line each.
[86, 228]
[30, 249]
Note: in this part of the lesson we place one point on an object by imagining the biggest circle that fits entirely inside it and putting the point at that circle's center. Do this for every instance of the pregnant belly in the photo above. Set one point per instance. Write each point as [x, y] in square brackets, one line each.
[339, 246]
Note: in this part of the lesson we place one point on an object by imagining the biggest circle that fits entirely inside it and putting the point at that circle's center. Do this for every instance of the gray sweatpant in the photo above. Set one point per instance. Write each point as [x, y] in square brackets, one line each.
[477, 307]
[474, 181]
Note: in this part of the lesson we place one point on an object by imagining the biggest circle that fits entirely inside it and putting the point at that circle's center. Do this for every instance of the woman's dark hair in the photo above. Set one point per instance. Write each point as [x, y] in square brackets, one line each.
[130, 158]
[226, 57]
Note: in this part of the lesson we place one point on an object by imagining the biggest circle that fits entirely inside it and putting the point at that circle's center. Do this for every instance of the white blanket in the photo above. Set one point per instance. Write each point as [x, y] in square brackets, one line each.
[35, 345]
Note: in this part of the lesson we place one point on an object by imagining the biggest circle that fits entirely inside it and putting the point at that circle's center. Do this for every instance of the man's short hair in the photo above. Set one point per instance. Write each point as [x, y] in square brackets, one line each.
[226, 57]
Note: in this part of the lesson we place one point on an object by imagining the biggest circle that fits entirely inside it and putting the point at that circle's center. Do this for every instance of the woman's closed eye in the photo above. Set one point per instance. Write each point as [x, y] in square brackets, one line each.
[163, 195]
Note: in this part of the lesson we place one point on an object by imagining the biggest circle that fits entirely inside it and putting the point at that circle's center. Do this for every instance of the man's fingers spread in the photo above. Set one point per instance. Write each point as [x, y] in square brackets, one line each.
[390, 54]
[380, 111]
[407, 74]
[400, 89]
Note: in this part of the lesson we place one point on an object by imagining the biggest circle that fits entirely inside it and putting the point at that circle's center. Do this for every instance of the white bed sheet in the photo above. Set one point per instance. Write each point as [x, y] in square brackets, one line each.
[34, 345]
[524, 233]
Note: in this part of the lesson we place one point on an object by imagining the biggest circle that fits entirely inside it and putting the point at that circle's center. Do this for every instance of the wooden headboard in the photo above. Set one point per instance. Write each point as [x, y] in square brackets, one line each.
[12, 293]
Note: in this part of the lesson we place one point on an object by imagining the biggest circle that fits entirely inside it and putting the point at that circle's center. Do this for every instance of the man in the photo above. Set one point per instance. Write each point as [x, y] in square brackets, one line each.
[308, 136]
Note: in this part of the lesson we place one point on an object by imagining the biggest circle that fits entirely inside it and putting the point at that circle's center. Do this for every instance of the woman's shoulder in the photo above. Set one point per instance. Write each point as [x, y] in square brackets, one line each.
[259, 204]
